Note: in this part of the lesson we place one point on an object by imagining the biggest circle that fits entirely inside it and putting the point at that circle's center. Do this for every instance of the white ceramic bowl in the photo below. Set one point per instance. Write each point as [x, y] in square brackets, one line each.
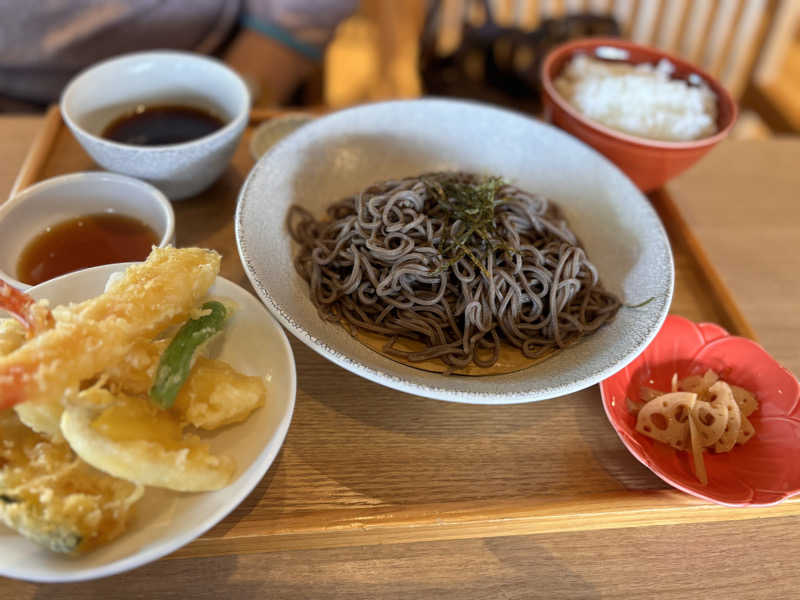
[164, 521]
[116, 86]
[69, 196]
[343, 153]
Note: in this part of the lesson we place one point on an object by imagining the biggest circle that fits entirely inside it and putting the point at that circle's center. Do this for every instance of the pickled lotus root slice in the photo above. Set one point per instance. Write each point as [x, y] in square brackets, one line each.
[692, 383]
[697, 452]
[710, 421]
[745, 399]
[699, 384]
[722, 395]
[647, 393]
[716, 417]
[666, 419]
[746, 432]
[633, 407]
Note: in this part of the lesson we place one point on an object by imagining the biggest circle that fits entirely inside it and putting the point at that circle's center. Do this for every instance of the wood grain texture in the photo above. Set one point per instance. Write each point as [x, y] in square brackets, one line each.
[742, 204]
[16, 138]
[752, 560]
[712, 285]
[40, 151]
[362, 473]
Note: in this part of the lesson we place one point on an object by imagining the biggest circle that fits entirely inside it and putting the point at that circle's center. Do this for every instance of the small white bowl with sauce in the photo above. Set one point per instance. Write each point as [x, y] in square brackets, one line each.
[42, 207]
[129, 84]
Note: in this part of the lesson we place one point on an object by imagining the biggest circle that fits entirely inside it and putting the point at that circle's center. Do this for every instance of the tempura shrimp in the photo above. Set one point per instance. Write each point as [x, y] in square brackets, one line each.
[12, 335]
[41, 417]
[33, 315]
[91, 336]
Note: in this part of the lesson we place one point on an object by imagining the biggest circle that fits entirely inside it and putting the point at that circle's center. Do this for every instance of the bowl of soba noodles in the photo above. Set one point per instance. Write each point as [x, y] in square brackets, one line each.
[455, 251]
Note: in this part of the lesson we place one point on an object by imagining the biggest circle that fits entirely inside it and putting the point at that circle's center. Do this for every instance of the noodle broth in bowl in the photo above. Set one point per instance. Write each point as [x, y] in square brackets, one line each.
[540, 207]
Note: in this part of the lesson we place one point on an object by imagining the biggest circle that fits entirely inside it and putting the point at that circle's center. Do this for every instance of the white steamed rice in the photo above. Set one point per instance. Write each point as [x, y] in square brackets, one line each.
[639, 100]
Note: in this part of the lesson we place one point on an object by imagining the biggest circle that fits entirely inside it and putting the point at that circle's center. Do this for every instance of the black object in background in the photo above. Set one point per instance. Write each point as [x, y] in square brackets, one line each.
[500, 64]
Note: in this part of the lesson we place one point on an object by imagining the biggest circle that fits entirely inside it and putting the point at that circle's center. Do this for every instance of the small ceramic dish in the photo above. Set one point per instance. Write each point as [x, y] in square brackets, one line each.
[112, 88]
[75, 195]
[761, 472]
[269, 133]
[649, 163]
[254, 344]
[340, 154]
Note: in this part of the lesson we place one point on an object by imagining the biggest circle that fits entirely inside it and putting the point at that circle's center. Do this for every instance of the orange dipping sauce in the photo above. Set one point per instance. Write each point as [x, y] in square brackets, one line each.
[87, 241]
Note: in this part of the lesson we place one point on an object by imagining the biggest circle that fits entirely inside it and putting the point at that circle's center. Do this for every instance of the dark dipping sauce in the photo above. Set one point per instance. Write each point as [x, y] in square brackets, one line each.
[87, 241]
[162, 125]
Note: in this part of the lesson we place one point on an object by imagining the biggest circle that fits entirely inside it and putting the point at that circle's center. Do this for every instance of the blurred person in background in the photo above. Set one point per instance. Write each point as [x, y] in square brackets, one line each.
[389, 49]
[274, 44]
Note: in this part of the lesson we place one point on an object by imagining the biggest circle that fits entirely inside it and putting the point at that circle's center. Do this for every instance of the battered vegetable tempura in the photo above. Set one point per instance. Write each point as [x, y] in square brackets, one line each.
[54, 498]
[214, 394]
[93, 335]
[81, 433]
[132, 438]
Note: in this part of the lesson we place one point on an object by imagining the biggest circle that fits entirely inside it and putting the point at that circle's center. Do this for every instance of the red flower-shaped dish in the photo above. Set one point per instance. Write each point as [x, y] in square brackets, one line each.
[765, 470]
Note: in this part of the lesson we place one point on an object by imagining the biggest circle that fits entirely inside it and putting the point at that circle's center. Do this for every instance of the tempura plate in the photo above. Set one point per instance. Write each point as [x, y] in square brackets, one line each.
[164, 521]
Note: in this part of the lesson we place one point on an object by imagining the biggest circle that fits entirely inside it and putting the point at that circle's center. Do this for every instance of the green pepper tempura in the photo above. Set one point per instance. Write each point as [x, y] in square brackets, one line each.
[176, 362]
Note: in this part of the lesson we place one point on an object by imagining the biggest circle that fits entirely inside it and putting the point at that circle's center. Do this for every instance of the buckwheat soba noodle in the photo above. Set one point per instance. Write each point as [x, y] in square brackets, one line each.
[461, 263]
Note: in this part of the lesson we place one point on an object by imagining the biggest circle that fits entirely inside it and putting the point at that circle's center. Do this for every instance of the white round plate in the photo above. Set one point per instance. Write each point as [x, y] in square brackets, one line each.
[343, 153]
[164, 521]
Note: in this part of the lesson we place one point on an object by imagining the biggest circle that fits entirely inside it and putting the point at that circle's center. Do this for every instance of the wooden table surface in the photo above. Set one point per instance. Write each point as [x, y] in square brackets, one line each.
[742, 202]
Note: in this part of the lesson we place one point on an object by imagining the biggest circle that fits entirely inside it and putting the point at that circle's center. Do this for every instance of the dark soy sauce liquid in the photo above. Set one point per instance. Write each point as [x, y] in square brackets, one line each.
[161, 125]
[87, 241]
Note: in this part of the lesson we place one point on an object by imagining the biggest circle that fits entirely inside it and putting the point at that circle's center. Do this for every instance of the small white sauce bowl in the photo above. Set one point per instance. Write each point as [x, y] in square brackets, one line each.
[54, 200]
[115, 87]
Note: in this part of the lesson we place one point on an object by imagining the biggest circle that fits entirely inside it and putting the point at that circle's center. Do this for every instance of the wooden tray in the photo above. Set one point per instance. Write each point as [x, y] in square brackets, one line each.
[364, 464]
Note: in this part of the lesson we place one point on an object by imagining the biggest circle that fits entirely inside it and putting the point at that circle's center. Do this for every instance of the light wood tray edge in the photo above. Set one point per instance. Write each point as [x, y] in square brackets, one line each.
[39, 150]
[677, 226]
[616, 510]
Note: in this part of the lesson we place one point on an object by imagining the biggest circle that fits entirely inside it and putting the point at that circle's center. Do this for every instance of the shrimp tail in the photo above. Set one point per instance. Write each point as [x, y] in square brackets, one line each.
[91, 336]
[34, 316]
